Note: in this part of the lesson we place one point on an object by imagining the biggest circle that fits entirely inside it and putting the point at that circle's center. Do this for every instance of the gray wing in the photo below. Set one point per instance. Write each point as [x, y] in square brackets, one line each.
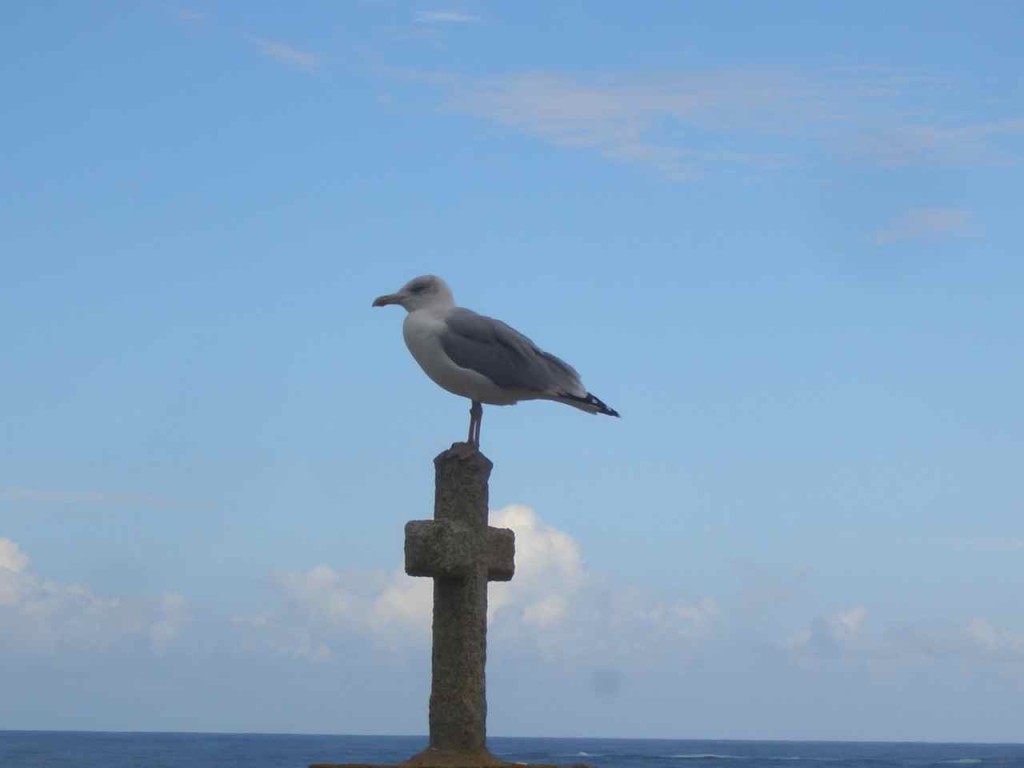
[505, 356]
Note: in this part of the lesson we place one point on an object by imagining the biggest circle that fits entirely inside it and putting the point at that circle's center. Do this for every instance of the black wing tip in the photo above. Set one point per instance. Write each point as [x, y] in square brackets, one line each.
[602, 406]
[594, 402]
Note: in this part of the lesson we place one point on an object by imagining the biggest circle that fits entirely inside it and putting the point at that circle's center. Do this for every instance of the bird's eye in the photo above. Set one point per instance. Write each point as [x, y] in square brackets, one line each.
[417, 288]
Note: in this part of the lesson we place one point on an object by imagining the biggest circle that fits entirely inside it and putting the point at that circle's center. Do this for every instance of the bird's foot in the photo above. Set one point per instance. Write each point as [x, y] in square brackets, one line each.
[464, 450]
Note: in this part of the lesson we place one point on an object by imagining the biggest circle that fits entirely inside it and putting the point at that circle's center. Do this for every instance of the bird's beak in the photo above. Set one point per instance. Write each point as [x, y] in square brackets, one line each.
[391, 298]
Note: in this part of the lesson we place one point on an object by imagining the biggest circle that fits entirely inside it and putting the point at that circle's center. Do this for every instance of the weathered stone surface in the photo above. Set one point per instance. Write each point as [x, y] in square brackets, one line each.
[501, 554]
[440, 548]
[461, 552]
[447, 549]
[433, 756]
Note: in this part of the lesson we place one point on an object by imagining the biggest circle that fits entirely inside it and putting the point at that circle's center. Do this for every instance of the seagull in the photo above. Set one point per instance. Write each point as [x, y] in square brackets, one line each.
[481, 358]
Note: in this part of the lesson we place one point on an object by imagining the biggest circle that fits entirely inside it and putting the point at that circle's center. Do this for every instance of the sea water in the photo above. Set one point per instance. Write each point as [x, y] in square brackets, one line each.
[45, 749]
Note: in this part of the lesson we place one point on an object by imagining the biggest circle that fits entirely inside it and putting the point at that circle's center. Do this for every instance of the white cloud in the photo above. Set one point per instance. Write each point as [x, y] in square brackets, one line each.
[306, 61]
[403, 602]
[322, 607]
[11, 557]
[372, 602]
[608, 624]
[44, 616]
[1000, 644]
[266, 631]
[551, 606]
[925, 223]
[12, 562]
[445, 17]
[557, 611]
[830, 636]
[549, 570]
[320, 591]
[546, 611]
[395, 610]
[848, 623]
[172, 613]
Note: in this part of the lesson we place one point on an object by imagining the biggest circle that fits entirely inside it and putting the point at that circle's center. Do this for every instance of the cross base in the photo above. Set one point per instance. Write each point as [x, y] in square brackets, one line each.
[432, 756]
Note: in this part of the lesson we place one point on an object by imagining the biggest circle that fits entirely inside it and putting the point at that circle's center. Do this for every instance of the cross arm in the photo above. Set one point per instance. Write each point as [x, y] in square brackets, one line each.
[501, 554]
[448, 549]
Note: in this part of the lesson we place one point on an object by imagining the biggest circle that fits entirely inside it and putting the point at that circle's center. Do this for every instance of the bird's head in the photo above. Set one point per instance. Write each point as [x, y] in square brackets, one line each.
[420, 292]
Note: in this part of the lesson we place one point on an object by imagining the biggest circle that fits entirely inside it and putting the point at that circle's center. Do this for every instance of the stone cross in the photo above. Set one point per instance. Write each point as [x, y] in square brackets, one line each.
[461, 553]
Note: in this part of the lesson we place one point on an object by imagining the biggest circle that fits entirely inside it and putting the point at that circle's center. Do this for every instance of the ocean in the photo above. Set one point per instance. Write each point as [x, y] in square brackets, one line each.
[64, 749]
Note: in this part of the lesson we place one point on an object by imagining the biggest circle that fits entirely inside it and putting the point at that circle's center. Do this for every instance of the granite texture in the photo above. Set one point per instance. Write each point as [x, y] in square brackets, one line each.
[461, 553]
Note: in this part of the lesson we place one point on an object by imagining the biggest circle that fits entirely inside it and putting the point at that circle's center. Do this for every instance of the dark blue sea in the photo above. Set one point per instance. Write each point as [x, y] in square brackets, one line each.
[44, 749]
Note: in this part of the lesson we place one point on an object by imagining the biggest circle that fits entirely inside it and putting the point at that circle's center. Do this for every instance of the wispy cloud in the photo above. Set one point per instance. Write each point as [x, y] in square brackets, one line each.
[912, 143]
[991, 544]
[640, 122]
[445, 17]
[843, 635]
[305, 61]
[16, 493]
[925, 224]
[686, 124]
[188, 15]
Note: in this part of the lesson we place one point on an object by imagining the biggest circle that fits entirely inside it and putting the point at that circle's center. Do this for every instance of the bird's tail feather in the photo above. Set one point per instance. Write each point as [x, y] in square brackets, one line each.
[590, 403]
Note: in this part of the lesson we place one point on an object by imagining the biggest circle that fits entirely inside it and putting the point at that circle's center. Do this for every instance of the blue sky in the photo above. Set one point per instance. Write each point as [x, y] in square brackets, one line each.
[782, 240]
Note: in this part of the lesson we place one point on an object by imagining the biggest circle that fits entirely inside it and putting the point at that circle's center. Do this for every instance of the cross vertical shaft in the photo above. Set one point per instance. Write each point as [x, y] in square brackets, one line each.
[462, 553]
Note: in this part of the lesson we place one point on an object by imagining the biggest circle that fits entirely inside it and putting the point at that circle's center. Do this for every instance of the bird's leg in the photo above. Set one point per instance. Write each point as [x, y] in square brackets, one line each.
[479, 421]
[476, 414]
